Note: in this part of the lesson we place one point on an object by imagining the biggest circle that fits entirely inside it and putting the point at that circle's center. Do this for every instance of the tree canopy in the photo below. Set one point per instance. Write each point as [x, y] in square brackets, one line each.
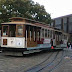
[23, 8]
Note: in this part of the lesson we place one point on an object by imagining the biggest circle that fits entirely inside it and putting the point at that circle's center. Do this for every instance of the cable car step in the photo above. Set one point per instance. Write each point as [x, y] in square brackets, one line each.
[31, 51]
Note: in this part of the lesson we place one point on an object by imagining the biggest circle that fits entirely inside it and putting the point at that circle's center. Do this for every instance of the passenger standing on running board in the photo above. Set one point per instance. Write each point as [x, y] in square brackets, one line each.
[70, 45]
[51, 42]
[61, 42]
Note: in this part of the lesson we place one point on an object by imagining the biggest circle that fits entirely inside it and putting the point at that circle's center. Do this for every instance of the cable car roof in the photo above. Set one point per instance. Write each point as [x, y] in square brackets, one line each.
[20, 20]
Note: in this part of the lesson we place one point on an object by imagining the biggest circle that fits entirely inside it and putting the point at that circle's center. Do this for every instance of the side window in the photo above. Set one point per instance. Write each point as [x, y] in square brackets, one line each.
[53, 34]
[31, 31]
[27, 28]
[38, 35]
[62, 36]
[42, 32]
[48, 33]
[57, 37]
[12, 30]
[65, 36]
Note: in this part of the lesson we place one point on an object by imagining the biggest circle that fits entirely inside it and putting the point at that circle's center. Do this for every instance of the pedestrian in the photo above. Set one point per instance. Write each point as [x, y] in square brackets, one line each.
[71, 45]
[51, 42]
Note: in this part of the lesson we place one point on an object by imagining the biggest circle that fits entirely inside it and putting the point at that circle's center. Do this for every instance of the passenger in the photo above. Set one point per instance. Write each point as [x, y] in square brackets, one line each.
[68, 45]
[61, 42]
[71, 45]
[51, 42]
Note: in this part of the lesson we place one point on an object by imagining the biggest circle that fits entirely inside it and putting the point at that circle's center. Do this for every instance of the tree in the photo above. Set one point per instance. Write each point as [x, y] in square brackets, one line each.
[40, 14]
[23, 8]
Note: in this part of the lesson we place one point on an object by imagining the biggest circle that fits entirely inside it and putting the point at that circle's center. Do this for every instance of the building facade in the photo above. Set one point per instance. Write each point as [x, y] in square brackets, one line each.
[63, 23]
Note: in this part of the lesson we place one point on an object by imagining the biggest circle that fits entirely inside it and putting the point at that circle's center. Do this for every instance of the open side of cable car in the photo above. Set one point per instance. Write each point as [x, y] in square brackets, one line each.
[27, 36]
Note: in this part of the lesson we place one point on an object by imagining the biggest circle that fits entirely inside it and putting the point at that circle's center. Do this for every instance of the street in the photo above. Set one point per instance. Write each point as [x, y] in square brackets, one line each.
[55, 61]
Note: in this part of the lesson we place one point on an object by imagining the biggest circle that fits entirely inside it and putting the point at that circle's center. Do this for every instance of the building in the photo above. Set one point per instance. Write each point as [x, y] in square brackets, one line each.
[63, 23]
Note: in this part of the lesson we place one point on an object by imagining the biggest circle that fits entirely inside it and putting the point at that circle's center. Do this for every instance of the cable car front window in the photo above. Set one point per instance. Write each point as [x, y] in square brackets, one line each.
[20, 30]
[5, 30]
[12, 30]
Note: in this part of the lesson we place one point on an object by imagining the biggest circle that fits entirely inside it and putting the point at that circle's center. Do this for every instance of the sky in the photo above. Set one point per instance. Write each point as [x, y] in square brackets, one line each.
[56, 8]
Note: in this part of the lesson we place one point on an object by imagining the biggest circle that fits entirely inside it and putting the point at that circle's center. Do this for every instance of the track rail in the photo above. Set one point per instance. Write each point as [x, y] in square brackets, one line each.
[38, 67]
[66, 55]
[61, 58]
[39, 63]
[49, 63]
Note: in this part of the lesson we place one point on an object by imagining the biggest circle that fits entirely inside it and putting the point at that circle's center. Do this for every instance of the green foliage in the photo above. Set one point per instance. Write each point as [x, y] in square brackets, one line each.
[23, 8]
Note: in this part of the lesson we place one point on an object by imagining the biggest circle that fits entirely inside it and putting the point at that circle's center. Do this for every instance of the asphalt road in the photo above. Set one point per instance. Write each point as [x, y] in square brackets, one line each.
[56, 61]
